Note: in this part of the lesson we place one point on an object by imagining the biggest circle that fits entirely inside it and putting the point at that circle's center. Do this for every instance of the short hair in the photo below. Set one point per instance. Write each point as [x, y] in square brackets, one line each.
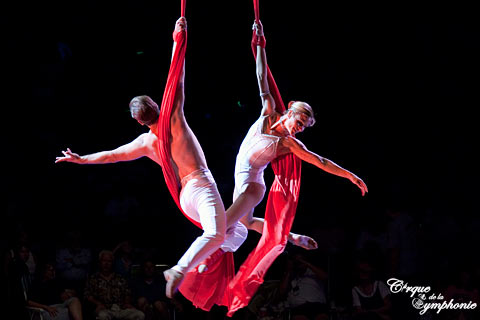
[144, 109]
[305, 108]
[103, 253]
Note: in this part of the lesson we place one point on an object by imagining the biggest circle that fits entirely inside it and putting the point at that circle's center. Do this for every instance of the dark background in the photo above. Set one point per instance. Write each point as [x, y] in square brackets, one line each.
[394, 88]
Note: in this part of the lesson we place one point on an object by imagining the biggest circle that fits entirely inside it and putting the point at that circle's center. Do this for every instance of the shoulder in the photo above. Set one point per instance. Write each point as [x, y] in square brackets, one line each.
[382, 288]
[146, 140]
[291, 142]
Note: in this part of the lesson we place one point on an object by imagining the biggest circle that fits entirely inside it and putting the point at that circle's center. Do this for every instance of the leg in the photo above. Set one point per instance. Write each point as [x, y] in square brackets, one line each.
[243, 208]
[201, 201]
[162, 308]
[145, 307]
[244, 204]
[75, 308]
[142, 303]
[131, 314]
[104, 315]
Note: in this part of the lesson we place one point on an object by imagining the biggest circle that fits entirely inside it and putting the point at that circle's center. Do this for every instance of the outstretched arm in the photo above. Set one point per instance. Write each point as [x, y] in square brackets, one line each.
[268, 104]
[301, 151]
[130, 151]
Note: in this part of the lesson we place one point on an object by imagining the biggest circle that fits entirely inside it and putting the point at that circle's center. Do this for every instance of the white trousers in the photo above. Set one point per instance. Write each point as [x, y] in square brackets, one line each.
[201, 201]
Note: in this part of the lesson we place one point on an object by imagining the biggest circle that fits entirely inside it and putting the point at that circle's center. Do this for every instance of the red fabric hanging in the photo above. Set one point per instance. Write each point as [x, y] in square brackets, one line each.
[198, 288]
[210, 287]
[217, 285]
[163, 128]
[279, 214]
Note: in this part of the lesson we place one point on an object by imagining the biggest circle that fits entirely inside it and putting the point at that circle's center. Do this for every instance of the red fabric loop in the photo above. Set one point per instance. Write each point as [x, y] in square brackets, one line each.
[258, 40]
[279, 215]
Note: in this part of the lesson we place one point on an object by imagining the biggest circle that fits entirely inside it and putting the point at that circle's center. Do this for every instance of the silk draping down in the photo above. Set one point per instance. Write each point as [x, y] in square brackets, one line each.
[214, 286]
[279, 215]
[224, 270]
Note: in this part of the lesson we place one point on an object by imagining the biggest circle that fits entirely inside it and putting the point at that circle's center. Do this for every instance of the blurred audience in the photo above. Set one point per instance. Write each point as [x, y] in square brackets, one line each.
[57, 302]
[124, 258]
[304, 285]
[370, 296]
[148, 292]
[109, 292]
[73, 261]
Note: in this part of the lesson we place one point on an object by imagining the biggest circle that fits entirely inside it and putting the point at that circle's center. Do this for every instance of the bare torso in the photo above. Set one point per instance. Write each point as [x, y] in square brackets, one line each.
[187, 154]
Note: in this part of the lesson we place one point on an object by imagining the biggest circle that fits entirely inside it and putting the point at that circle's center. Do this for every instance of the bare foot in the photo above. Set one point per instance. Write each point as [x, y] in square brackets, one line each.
[303, 241]
[174, 279]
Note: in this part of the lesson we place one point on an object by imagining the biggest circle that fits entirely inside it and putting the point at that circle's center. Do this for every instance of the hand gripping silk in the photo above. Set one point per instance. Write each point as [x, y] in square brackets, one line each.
[279, 214]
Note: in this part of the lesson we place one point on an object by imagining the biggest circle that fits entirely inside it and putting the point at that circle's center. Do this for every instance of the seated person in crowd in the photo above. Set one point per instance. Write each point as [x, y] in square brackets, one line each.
[304, 284]
[47, 294]
[73, 262]
[371, 297]
[148, 292]
[110, 293]
[124, 258]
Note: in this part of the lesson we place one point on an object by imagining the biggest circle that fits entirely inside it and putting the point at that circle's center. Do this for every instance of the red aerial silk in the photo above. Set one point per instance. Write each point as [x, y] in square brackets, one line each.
[218, 285]
[203, 293]
[163, 128]
[279, 214]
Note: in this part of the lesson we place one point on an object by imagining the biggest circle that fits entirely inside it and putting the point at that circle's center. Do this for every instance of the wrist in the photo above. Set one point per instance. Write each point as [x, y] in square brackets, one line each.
[259, 40]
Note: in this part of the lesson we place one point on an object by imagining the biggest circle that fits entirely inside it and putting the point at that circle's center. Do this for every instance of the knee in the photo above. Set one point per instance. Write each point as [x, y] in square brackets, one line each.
[254, 191]
[139, 315]
[215, 234]
[142, 303]
[217, 237]
[248, 221]
[103, 315]
[160, 305]
[136, 315]
[73, 301]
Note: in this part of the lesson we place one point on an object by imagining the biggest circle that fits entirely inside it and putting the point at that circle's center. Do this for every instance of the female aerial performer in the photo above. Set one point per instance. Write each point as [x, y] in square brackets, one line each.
[272, 136]
[199, 197]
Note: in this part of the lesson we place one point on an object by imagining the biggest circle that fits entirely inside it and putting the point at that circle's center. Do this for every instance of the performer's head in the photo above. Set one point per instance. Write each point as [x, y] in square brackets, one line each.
[144, 110]
[298, 116]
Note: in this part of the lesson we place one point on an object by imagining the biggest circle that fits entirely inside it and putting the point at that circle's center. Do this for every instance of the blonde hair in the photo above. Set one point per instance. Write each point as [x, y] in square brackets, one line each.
[302, 107]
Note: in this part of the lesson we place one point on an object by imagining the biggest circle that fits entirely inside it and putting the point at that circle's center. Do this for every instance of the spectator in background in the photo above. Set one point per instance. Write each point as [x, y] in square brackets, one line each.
[303, 283]
[462, 290]
[372, 239]
[402, 244]
[18, 278]
[370, 297]
[124, 258]
[48, 294]
[21, 239]
[148, 292]
[73, 262]
[110, 293]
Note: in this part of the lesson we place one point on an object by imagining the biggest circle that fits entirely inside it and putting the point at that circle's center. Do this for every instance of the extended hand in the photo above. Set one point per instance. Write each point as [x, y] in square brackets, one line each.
[359, 182]
[69, 156]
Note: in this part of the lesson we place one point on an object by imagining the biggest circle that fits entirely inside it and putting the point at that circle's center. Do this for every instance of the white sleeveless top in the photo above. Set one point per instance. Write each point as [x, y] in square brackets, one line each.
[256, 152]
